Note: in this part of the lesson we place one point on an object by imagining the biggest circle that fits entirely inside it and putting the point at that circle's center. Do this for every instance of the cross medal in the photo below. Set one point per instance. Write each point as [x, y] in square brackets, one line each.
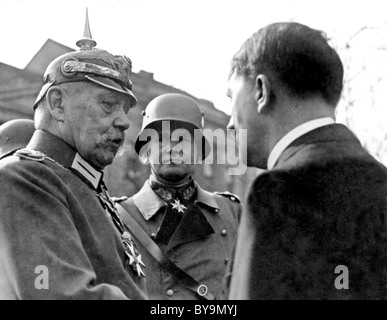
[178, 206]
[131, 252]
[134, 257]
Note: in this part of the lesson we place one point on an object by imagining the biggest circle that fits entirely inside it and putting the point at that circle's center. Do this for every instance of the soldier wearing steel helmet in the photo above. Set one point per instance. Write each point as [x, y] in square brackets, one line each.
[15, 134]
[60, 233]
[193, 229]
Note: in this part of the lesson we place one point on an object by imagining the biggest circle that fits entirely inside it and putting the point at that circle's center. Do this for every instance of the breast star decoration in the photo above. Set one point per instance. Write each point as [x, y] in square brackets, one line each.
[178, 206]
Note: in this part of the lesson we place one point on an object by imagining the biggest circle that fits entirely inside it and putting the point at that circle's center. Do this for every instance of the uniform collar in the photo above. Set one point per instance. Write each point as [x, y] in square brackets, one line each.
[149, 203]
[293, 135]
[87, 171]
[62, 153]
[168, 193]
[206, 198]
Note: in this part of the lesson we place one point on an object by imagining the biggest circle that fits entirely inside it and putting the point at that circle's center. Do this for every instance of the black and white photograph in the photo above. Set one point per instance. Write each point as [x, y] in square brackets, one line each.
[209, 151]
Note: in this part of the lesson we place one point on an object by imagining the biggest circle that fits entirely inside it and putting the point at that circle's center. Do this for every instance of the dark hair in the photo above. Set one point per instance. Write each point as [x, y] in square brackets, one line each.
[297, 56]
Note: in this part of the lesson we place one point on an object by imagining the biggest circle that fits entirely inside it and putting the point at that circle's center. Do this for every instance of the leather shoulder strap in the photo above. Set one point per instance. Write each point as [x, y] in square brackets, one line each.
[200, 289]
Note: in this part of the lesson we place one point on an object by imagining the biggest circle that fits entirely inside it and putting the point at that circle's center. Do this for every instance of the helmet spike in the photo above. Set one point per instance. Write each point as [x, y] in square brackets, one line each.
[86, 43]
[86, 32]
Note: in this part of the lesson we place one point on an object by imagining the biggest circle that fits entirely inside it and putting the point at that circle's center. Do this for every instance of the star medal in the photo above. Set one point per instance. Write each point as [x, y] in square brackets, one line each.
[178, 206]
[134, 257]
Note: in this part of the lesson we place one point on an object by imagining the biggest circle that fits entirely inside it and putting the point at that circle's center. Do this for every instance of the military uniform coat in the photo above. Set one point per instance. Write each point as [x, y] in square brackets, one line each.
[51, 220]
[200, 247]
[322, 206]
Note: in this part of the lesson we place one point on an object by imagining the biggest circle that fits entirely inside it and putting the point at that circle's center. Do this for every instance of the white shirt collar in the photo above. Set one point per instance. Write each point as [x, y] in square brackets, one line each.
[294, 134]
[86, 170]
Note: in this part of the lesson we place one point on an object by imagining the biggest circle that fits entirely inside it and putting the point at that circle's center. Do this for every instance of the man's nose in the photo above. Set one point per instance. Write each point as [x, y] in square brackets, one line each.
[122, 121]
[231, 124]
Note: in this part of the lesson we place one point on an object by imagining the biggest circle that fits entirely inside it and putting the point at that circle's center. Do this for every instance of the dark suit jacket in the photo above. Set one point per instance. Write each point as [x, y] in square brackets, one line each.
[323, 205]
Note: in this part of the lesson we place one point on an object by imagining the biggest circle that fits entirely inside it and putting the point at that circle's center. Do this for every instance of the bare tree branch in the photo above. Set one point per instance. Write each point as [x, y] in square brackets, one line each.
[361, 30]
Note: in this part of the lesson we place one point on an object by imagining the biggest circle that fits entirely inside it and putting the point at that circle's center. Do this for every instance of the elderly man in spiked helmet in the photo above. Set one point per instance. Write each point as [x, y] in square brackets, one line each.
[187, 232]
[61, 235]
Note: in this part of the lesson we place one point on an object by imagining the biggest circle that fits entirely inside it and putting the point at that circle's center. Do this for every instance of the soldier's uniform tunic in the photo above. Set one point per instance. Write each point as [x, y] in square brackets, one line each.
[51, 217]
[201, 244]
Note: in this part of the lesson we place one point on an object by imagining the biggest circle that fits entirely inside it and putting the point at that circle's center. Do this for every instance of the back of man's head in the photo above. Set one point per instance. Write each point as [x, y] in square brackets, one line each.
[295, 56]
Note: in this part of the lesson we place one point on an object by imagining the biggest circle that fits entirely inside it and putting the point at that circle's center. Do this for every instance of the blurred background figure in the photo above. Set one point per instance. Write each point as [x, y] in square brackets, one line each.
[14, 135]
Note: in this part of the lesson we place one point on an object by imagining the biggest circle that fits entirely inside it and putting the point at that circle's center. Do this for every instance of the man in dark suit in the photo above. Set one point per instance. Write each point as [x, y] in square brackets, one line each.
[314, 225]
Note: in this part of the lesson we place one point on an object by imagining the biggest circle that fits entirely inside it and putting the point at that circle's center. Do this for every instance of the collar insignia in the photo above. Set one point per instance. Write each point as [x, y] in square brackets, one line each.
[86, 170]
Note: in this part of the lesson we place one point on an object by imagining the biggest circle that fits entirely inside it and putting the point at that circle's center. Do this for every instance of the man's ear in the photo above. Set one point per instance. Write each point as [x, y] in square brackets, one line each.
[263, 92]
[54, 99]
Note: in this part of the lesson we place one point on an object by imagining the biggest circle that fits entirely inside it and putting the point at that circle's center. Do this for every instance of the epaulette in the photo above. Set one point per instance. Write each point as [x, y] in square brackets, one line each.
[30, 155]
[119, 199]
[231, 196]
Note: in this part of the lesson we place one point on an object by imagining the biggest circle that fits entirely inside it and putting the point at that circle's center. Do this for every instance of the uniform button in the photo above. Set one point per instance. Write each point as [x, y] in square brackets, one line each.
[216, 210]
[224, 232]
[232, 198]
[153, 235]
[226, 260]
[202, 290]
[170, 292]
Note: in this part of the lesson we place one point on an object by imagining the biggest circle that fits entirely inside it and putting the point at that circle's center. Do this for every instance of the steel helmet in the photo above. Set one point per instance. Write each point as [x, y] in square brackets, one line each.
[89, 64]
[15, 134]
[174, 107]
